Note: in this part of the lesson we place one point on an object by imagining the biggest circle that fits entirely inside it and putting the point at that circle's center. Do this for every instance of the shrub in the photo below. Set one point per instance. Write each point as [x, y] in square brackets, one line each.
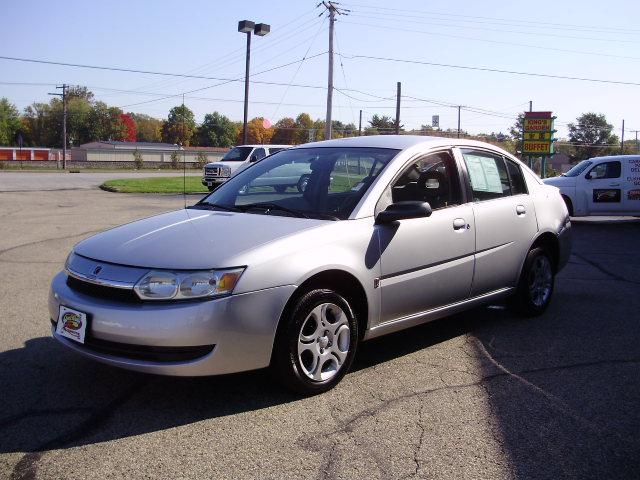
[137, 159]
[201, 161]
[175, 160]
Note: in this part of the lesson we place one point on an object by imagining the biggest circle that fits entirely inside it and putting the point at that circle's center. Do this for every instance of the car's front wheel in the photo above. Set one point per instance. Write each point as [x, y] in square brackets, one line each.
[536, 283]
[316, 342]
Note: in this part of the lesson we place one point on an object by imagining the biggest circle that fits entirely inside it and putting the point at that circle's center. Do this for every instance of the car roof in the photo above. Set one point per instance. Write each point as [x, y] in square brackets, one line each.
[265, 146]
[399, 142]
[616, 157]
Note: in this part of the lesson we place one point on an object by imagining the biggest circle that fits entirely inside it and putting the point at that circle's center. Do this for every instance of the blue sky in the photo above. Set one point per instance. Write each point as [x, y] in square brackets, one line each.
[584, 38]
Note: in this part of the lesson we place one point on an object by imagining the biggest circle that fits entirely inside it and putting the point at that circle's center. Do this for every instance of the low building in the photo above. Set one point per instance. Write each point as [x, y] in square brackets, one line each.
[27, 154]
[153, 154]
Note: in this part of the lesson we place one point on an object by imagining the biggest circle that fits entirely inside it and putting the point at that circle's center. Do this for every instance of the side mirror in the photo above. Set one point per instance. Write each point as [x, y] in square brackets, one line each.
[403, 211]
[591, 175]
[253, 158]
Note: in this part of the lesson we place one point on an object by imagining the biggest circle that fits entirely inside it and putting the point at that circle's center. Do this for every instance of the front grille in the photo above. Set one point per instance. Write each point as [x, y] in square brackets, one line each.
[146, 352]
[99, 291]
[143, 352]
[215, 171]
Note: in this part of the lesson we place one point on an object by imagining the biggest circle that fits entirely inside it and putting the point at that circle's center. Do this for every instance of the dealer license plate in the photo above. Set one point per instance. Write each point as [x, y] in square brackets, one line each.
[72, 324]
[209, 184]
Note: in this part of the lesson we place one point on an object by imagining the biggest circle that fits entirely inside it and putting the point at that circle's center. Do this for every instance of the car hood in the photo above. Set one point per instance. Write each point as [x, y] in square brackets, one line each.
[224, 164]
[561, 181]
[190, 238]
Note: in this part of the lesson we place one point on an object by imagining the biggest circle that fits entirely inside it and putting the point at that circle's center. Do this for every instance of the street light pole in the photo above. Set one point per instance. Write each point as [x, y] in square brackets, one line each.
[260, 29]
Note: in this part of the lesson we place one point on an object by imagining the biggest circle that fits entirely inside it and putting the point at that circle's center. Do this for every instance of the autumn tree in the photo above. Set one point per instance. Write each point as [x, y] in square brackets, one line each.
[148, 129]
[304, 123]
[285, 132]
[591, 136]
[179, 127]
[104, 123]
[257, 133]
[216, 131]
[9, 122]
[129, 127]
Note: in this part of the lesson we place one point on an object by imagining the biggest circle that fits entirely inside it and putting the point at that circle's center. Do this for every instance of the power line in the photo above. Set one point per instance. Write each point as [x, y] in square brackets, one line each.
[537, 32]
[547, 24]
[495, 70]
[499, 42]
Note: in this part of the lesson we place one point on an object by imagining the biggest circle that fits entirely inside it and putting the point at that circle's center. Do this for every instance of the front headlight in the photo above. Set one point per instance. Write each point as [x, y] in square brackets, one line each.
[165, 285]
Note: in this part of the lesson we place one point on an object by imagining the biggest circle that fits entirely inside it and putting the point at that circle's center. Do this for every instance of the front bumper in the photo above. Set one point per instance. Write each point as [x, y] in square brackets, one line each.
[214, 181]
[240, 329]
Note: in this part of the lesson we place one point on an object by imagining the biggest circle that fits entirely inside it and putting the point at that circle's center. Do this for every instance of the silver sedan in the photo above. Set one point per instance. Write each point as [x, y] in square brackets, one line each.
[389, 232]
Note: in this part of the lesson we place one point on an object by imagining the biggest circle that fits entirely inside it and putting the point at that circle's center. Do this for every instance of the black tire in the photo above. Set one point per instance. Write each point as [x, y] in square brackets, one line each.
[569, 205]
[286, 363]
[302, 183]
[280, 188]
[526, 301]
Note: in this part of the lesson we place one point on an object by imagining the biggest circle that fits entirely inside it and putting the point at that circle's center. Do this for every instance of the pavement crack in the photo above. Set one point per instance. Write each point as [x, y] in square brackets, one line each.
[26, 468]
[37, 242]
[606, 271]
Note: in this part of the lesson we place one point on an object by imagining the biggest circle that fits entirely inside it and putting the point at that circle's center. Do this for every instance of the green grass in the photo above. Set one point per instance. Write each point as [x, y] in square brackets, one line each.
[155, 185]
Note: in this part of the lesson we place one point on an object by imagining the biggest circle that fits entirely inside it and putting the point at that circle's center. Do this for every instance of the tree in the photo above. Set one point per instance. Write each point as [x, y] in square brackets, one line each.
[38, 130]
[83, 93]
[104, 123]
[179, 127]
[9, 122]
[129, 127]
[257, 133]
[303, 125]
[384, 124]
[148, 129]
[137, 159]
[592, 136]
[216, 131]
[517, 131]
[285, 132]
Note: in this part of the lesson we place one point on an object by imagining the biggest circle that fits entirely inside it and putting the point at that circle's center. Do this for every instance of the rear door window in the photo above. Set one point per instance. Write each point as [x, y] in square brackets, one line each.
[488, 175]
[518, 184]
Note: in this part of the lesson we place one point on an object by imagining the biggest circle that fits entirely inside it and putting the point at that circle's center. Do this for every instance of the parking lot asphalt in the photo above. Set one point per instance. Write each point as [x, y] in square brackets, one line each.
[483, 394]
[34, 181]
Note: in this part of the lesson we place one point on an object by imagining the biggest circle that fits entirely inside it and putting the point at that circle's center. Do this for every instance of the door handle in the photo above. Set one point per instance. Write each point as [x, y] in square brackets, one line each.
[460, 224]
[520, 210]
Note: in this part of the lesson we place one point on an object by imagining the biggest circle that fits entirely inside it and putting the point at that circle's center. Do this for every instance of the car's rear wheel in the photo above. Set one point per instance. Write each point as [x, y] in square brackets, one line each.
[569, 204]
[536, 284]
[316, 342]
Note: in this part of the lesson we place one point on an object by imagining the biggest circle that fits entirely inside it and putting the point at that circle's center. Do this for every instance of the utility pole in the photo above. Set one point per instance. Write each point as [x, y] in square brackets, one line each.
[64, 88]
[398, 95]
[622, 139]
[360, 126]
[333, 10]
[637, 144]
[459, 109]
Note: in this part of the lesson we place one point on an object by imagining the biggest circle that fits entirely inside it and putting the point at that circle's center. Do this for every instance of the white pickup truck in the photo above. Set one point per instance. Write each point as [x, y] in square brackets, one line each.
[601, 186]
[216, 173]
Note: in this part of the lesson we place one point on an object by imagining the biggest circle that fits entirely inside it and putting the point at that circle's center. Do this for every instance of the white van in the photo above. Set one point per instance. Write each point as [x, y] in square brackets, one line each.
[216, 173]
[601, 186]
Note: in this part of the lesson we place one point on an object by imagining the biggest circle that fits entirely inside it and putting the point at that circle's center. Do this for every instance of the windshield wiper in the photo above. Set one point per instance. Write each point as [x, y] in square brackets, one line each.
[211, 206]
[274, 206]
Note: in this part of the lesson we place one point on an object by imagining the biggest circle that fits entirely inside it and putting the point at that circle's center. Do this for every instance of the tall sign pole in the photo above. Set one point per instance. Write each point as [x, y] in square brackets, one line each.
[537, 137]
[398, 95]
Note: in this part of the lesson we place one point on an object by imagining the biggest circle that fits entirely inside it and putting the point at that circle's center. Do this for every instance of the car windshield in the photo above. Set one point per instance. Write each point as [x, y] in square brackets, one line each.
[237, 154]
[578, 169]
[325, 183]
